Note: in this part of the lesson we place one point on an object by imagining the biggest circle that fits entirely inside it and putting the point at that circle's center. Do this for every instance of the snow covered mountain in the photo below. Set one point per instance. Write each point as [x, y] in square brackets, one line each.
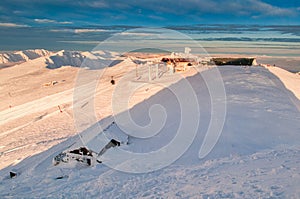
[22, 56]
[256, 156]
[57, 59]
[79, 59]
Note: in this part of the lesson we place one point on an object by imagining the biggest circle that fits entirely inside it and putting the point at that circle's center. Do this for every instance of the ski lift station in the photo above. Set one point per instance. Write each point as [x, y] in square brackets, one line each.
[168, 65]
[181, 62]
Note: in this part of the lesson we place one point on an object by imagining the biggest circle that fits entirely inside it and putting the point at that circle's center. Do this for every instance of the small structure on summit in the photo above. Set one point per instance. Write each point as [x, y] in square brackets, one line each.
[234, 61]
[178, 62]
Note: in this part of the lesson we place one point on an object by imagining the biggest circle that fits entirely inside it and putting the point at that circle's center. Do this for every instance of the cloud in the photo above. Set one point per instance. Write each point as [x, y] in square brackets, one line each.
[266, 9]
[142, 34]
[237, 7]
[62, 30]
[12, 25]
[79, 31]
[52, 21]
[44, 21]
[156, 17]
[88, 30]
[117, 4]
[81, 42]
[97, 4]
[147, 12]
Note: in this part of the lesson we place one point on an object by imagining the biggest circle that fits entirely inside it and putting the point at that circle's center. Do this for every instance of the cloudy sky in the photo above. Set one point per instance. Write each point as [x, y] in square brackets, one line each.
[22, 13]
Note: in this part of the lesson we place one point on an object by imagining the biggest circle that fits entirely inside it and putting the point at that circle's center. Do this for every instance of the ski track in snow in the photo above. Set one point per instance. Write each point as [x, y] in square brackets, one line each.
[38, 105]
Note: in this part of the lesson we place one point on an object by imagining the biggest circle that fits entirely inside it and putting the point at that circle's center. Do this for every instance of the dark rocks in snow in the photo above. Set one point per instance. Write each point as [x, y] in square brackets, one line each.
[82, 151]
[115, 142]
[13, 174]
[112, 143]
[83, 154]
[61, 177]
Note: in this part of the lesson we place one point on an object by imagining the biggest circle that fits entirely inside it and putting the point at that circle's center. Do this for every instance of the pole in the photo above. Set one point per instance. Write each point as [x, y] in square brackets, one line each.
[149, 72]
[156, 71]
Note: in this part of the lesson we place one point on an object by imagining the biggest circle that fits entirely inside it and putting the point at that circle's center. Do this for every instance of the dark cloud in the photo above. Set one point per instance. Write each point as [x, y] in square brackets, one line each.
[197, 6]
[148, 11]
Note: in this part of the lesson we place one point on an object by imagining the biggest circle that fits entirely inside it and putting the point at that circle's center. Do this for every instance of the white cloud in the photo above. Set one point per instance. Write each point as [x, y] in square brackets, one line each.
[142, 34]
[78, 31]
[269, 10]
[44, 21]
[51, 21]
[89, 30]
[65, 22]
[62, 30]
[12, 25]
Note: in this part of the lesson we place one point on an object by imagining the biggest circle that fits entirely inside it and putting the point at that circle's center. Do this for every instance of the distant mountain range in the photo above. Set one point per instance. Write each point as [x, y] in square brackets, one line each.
[61, 58]
[22, 56]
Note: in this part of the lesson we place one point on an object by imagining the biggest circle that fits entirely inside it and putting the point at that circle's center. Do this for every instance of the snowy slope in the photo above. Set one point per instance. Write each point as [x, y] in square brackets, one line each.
[290, 80]
[256, 156]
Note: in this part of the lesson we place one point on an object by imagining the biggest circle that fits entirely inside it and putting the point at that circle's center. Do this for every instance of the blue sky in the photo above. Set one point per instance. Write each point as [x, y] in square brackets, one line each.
[37, 13]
